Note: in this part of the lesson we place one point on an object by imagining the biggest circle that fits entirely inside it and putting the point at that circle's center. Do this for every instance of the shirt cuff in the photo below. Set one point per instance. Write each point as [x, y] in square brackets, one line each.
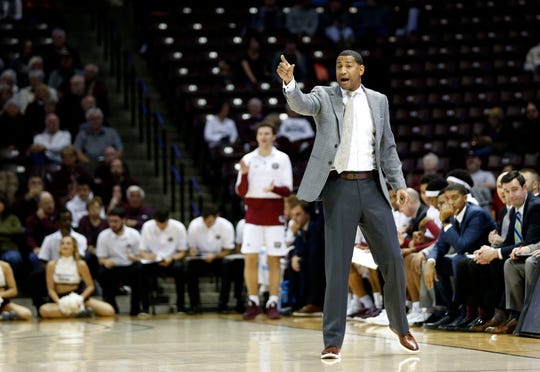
[432, 260]
[289, 87]
[447, 227]
[499, 253]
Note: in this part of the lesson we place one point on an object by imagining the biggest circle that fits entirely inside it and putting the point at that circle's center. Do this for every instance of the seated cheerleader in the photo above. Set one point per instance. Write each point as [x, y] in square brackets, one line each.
[70, 285]
[8, 289]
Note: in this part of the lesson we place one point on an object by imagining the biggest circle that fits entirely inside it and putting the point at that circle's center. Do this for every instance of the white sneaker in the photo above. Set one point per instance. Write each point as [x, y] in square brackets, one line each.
[354, 307]
[381, 319]
[413, 315]
[420, 318]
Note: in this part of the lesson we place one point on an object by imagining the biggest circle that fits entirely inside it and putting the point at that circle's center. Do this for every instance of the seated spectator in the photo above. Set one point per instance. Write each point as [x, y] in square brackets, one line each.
[340, 33]
[307, 260]
[53, 52]
[118, 252]
[496, 135]
[532, 180]
[254, 65]
[164, 244]
[92, 142]
[116, 174]
[28, 94]
[92, 224]
[524, 230]
[465, 228]
[430, 166]
[12, 122]
[481, 178]
[48, 145]
[78, 204]
[70, 285]
[302, 19]
[9, 78]
[136, 212]
[484, 183]
[11, 234]
[268, 20]
[462, 177]
[42, 104]
[295, 134]
[69, 107]
[40, 224]
[63, 181]
[96, 87]
[247, 126]
[59, 78]
[220, 129]
[20, 63]
[9, 185]
[9, 310]
[210, 239]
[424, 311]
[26, 199]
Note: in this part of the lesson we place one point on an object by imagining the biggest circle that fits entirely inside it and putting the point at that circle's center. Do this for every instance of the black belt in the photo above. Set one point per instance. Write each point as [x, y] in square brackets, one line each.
[352, 176]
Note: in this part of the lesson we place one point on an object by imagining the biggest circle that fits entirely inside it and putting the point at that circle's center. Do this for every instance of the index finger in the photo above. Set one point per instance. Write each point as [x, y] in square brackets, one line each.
[284, 60]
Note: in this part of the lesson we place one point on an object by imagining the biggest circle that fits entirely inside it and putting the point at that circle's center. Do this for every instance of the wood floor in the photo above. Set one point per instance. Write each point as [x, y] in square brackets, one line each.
[212, 342]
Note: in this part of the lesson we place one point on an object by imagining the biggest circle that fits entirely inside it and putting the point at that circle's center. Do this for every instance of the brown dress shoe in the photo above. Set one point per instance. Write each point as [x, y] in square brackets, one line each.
[407, 342]
[493, 322]
[331, 352]
[506, 328]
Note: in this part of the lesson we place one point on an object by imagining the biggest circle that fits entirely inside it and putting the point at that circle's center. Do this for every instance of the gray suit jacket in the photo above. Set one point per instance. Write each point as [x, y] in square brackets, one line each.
[326, 106]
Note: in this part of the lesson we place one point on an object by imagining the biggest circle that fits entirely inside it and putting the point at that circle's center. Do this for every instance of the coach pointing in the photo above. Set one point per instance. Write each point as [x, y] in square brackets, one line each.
[353, 153]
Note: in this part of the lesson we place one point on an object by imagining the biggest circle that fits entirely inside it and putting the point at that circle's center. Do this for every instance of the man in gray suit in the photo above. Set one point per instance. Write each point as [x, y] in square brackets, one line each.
[353, 153]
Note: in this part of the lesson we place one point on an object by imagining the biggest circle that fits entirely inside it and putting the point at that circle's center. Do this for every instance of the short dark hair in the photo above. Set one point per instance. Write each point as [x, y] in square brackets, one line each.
[162, 214]
[353, 53]
[456, 187]
[268, 124]
[513, 175]
[208, 211]
[437, 184]
[116, 211]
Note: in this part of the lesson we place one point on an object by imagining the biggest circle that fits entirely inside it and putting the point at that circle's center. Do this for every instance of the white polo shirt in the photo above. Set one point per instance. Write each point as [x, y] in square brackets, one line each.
[117, 247]
[51, 244]
[164, 243]
[211, 240]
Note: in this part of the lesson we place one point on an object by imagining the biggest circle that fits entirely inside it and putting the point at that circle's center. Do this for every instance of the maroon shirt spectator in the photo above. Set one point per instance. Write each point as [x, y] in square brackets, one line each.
[136, 212]
[41, 223]
[64, 179]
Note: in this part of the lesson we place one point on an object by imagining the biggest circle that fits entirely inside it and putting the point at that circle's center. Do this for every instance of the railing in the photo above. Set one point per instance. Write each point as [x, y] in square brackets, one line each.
[177, 179]
[196, 205]
[152, 132]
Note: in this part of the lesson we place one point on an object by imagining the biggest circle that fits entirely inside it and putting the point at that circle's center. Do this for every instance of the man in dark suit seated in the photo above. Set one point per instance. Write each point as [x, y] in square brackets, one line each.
[465, 227]
[504, 261]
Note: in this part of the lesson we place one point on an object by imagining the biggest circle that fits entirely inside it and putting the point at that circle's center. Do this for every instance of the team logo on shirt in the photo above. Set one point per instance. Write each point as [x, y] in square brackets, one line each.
[170, 239]
[218, 237]
[275, 165]
[277, 244]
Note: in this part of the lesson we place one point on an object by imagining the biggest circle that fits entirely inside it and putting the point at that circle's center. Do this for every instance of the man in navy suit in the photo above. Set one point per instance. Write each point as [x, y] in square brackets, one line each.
[466, 226]
[523, 230]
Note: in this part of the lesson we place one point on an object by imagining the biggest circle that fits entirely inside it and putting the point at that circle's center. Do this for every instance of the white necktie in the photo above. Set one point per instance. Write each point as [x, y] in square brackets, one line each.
[342, 155]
